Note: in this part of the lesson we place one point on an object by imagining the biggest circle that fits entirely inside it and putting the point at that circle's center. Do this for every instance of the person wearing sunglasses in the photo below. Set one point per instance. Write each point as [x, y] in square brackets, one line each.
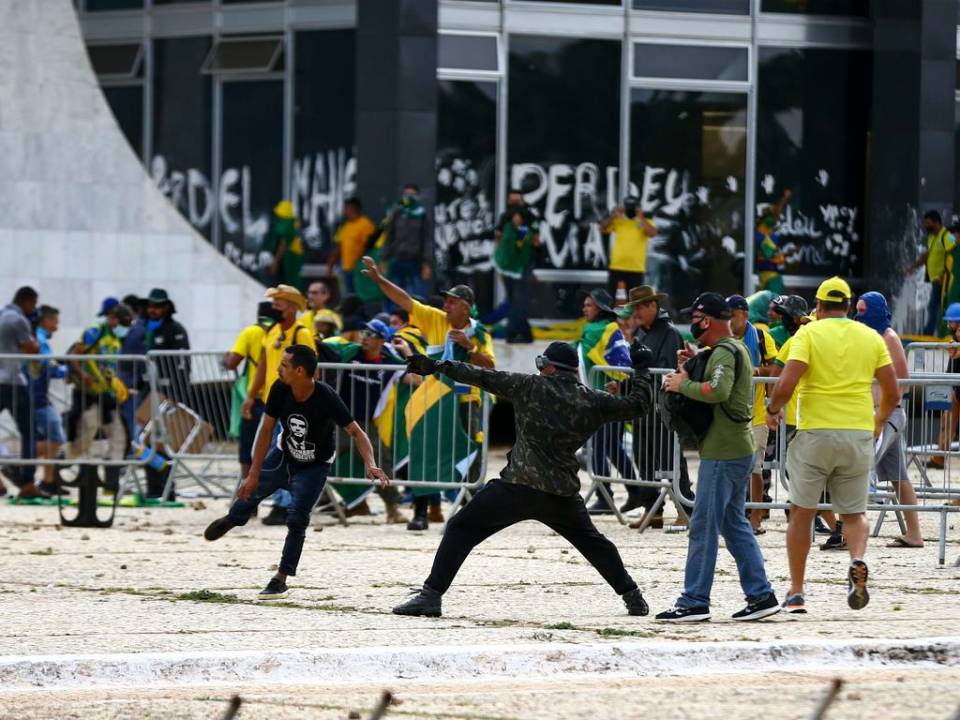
[555, 414]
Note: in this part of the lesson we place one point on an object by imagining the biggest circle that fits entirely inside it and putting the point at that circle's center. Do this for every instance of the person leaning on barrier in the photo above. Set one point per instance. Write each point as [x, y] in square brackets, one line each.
[16, 337]
[554, 415]
[891, 464]
[602, 343]
[948, 420]
[248, 349]
[726, 458]
[47, 420]
[652, 442]
[833, 363]
[98, 393]
[763, 351]
[307, 411]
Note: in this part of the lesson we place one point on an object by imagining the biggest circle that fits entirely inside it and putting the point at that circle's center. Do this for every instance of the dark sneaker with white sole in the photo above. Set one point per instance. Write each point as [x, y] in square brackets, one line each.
[857, 595]
[794, 605]
[635, 603]
[425, 603]
[274, 590]
[834, 542]
[759, 609]
[684, 615]
[218, 528]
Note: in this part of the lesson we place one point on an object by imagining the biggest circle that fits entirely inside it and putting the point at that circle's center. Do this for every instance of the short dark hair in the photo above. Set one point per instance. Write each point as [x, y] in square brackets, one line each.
[933, 215]
[355, 202]
[303, 356]
[412, 186]
[46, 311]
[514, 191]
[24, 294]
[402, 314]
[835, 305]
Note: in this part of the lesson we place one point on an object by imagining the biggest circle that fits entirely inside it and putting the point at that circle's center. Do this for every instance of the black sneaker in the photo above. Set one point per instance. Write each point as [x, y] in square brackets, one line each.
[834, 542]
[857, 595]
[276, 516]
[684, 615]
[635, 603]
[218, 528]
[274, 590]
[425, 603]
[418, 523]
[630, 504]
[759, 609]
[600, 507]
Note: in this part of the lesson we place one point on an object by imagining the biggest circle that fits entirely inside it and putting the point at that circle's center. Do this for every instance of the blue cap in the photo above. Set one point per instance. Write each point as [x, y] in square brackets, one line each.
[953, 313]
[108, 304]
[378, 327]
[738, 302]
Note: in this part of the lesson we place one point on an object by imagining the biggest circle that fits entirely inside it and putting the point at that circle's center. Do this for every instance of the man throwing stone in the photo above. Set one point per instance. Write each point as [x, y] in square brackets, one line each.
[834, 361]
[555, 414]
[300, 460]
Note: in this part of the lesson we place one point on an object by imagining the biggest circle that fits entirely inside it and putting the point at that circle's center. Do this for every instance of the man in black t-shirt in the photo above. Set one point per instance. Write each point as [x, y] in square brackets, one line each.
[299, 462]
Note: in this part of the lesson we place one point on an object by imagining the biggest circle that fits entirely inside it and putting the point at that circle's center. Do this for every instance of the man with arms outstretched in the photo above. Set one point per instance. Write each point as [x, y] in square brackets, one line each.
[555, 414]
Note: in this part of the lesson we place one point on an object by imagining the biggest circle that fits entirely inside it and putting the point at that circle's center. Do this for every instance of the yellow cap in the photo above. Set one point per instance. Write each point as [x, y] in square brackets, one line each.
[834, 290]
[325, 315]
[284, 210]
[288, 293]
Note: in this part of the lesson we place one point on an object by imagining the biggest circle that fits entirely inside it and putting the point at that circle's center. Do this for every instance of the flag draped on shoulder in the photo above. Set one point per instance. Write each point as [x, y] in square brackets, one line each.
[602, 343]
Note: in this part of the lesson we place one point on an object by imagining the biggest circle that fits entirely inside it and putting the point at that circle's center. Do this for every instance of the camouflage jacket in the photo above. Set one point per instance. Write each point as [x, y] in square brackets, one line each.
[555, 415]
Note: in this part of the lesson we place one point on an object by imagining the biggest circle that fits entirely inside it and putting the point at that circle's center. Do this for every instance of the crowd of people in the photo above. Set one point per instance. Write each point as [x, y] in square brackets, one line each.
[103, 395]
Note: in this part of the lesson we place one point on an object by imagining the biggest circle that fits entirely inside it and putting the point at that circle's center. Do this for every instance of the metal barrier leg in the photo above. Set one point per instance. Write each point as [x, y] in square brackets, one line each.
[602, 491]
[87, 483]
[656, 508]
[942, 549]
[876, 528]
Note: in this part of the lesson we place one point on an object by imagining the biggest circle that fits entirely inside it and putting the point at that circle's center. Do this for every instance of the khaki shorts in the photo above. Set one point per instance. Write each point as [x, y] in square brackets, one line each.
[838, 461]
[760, 435]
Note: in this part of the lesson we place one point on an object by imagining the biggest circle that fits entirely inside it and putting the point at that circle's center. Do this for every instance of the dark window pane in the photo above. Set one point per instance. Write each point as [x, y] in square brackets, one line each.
[564, 125]
[252, 180]
[956, 154]
[733, 7]
[467, 52]
[95, 5]
[126, 102]
[178, 2]
[812, 124]
[244, 55]
[817, 7]
[687, 169]
[466, 185]
[689, 61]
[324, 165]
[115, 60]
[580, 2]
[182, 103]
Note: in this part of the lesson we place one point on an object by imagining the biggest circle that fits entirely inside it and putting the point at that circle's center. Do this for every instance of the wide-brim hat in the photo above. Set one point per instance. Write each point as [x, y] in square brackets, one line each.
[158, 296]
[288, 293]
[643, 294]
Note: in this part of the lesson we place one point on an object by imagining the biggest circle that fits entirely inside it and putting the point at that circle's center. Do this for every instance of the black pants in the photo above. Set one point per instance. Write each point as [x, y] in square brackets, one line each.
[630, 280]
[501, 504]
[653, 450]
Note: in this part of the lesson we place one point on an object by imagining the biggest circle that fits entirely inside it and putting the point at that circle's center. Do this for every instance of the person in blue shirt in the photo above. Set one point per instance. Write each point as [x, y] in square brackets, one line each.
[47, 421]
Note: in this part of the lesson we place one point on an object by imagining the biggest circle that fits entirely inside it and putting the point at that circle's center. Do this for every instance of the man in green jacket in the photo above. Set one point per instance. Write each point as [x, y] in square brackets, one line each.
[726, 458]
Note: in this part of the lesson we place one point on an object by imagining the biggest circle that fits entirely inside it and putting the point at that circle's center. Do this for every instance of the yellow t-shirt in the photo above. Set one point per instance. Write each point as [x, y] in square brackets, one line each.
[248, 345]
[842, 357]
[628, 248]
[352, 238]
[767, 353]
[434, 326]
[298, 333]
[939, 245]
[790, 409]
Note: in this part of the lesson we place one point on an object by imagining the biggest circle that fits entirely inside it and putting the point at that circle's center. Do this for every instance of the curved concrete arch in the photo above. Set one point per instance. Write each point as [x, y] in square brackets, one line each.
[80, 218]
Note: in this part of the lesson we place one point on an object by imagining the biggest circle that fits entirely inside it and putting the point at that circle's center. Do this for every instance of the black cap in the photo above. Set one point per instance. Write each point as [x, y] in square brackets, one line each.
[710, 304]
[562, 355]
[738, 302]
[793, 306]
[158, 296]
[460, 292]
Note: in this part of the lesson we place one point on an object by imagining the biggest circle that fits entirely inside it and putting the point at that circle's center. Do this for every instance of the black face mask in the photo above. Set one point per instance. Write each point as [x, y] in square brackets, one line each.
[630, 211]
[273, 315]
[514, 209]
[697, 330]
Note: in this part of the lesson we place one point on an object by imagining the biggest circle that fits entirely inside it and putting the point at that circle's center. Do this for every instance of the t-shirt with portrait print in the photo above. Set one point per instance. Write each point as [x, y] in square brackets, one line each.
[308, 426]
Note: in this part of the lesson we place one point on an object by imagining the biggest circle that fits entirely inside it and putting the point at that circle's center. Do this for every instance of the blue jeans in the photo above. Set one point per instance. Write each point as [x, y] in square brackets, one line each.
[719, 510]
[304, 484]
[16, 400]
[934, 308]
[406, 274]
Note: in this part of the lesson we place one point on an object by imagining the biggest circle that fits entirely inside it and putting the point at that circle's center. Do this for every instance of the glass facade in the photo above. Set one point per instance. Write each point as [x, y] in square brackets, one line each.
[575, 119]
[812, 134]
[565, 161]
[688, 169]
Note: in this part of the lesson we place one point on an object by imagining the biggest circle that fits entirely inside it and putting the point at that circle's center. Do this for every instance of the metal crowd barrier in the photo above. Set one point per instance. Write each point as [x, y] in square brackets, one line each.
[196, 401]
[72, 420]
[927, 414]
